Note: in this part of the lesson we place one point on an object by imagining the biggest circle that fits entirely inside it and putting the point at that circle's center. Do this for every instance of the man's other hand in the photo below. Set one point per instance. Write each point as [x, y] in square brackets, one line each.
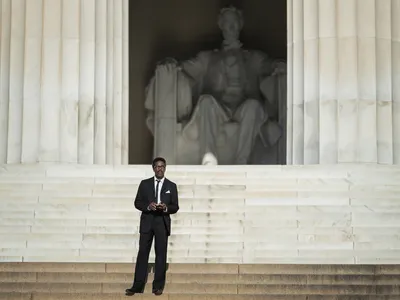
[153, 206]
[161, 207]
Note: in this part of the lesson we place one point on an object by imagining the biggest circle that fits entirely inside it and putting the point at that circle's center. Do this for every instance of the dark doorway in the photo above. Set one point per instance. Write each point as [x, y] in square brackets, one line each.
[180, 29]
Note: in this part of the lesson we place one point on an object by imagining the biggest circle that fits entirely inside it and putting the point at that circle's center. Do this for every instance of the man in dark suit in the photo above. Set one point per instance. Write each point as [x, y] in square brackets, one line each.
[157, 198]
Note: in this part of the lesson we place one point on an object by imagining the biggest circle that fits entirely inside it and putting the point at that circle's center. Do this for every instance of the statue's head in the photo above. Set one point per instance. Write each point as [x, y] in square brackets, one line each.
[230, 21]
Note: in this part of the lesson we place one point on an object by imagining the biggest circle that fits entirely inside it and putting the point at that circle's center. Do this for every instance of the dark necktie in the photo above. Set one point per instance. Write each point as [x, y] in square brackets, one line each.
[158, 184]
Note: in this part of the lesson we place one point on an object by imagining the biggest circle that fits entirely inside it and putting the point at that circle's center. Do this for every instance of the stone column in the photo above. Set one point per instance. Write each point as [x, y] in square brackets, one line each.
[64, 81]
[343, 81]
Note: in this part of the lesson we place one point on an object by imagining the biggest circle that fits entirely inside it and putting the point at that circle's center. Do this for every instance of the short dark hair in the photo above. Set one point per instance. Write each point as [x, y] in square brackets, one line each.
[157, 159]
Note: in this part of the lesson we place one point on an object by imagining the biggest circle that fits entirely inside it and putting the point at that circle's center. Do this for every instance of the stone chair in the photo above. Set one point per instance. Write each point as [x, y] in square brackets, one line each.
[170, 106]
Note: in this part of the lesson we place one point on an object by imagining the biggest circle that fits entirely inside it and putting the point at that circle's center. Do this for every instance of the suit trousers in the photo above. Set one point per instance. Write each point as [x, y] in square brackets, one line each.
[159, 232]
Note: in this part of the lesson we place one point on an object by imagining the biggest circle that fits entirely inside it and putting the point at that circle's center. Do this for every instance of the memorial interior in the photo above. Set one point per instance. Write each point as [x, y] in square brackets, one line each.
[156, 34]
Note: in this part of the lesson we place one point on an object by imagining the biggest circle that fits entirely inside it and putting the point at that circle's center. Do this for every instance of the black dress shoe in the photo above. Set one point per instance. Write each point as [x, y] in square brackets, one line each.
[130, 292]
[158, 292]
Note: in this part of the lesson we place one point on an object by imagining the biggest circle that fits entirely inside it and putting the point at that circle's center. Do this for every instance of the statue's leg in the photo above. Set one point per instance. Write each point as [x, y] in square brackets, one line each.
[210, 117]
[250, 116]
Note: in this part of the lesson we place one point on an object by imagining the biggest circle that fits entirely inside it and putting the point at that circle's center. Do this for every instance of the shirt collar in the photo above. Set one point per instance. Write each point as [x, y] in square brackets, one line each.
[161, 180]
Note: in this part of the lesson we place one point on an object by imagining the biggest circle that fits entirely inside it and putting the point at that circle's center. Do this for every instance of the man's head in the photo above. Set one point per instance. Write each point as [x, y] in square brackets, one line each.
[159, 166]
[230, 21]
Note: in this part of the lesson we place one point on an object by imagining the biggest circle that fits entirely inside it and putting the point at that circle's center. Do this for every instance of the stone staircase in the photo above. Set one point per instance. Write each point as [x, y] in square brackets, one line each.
[254, 232]
[62, 281]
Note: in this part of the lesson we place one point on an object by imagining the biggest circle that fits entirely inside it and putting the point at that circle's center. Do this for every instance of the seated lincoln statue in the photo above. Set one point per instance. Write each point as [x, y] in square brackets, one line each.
[212, 109]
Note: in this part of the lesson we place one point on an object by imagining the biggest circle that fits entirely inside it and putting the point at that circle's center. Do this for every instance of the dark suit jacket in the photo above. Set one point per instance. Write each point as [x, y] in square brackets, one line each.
[146, 194]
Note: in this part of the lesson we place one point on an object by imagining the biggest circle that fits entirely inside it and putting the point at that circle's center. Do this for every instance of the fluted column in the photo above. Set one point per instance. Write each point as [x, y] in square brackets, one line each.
[64, 81]
[344, 81]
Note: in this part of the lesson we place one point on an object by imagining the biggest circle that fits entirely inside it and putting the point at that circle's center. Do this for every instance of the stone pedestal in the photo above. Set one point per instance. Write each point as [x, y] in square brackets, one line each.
[64, 81]
[343, 81]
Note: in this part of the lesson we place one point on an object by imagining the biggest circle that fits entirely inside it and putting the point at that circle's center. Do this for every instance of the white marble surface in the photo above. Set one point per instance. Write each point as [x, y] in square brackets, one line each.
[343, 214]
[64, 88]
[16, 71]
[32, 82]
[344, 93]
[64, 81]
[5, 31]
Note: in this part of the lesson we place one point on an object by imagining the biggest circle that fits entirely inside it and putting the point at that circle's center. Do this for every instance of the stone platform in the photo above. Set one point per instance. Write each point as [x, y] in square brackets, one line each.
[298, 230]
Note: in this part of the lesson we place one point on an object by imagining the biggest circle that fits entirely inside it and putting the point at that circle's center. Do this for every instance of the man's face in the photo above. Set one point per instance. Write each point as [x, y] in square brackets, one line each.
[159, 169]
[230, 26]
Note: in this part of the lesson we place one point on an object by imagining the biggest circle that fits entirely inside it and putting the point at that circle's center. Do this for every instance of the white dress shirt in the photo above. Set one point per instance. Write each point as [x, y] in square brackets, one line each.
[158, 200]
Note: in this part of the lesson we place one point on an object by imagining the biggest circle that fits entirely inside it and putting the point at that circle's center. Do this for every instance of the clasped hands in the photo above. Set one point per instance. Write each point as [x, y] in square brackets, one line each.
[157, 207]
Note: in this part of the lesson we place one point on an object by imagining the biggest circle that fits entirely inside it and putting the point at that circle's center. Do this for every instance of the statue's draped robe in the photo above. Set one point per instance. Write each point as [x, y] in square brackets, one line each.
[206, 75]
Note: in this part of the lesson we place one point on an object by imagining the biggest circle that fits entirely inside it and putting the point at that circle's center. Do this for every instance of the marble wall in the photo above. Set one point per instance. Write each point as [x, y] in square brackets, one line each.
[64, 81]
[343, 81]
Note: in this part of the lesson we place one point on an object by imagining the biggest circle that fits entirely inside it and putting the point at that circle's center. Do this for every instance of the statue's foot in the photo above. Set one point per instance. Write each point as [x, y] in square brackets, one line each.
[209, 159]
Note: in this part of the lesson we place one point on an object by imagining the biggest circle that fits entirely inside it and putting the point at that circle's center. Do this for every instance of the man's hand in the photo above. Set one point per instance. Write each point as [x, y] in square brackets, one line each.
[153, 206]
[161, 207]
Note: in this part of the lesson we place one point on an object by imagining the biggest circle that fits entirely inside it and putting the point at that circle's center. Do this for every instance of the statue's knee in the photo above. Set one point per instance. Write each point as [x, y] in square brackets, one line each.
[251, 110]
[207, 101]
[252, 104]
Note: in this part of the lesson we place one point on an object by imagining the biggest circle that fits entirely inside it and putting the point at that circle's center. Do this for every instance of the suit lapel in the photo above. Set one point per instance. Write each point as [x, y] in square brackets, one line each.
[164, 186]
[152, 188]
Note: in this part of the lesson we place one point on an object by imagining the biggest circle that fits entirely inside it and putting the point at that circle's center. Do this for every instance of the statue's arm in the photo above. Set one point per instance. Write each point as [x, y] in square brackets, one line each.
[269, 72]
[195, 68]
[149, 103]
[188, 78]
[264, 63]
[190, 83]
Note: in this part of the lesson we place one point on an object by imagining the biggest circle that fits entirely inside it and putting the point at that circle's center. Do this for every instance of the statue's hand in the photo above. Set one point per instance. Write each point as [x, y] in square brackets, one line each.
[168, 60]
[280, 68]
[168, 63]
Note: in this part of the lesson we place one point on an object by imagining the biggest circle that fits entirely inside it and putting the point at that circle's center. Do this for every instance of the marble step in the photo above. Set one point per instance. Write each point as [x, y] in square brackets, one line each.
[229, 214]
[200, 268]
[202, 281]
[119, 296]
[115, 280]
[205, 288]
[230, 191]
